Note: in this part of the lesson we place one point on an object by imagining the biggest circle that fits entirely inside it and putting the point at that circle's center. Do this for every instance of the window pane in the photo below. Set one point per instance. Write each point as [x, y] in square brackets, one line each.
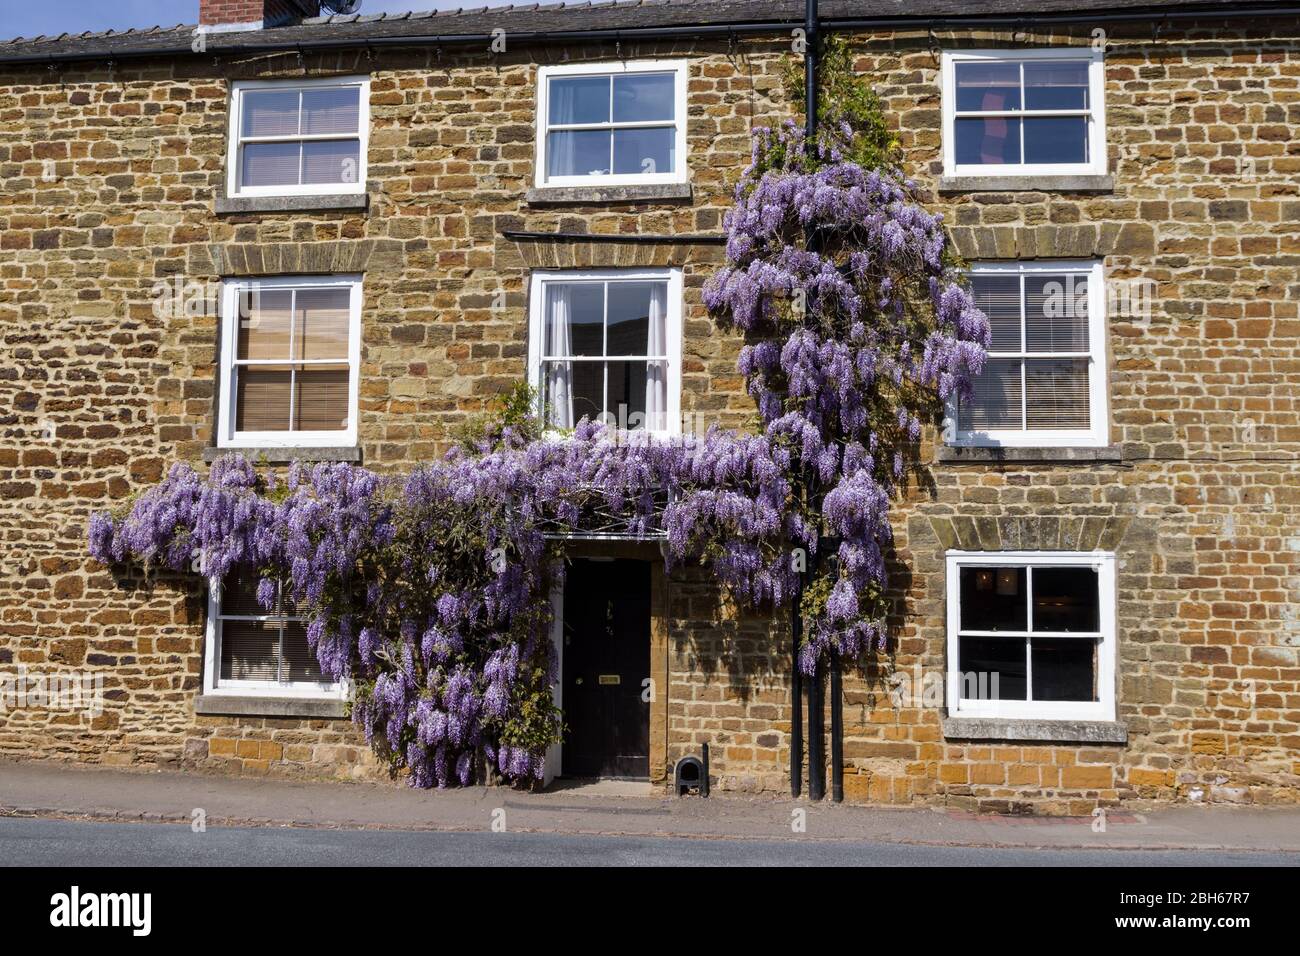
[321, 399]
[644, 97]
[1056, 85]
[997, 401]
[239, 594]
[1056, 139]
[629, 317]
[249, 650]
[988, 141]
[1056, 313]
[262, 399]
[331, 111]
[1065, 599]
[270, 164]
[988, 86]
[322, 323]
[1056, 393]
[994, 599]
[656, 396]
[557, 394]
[992, 668]
[1064, 668]
[577, 153]
[332, 161]
[264, 324]
[588, 390]
[627, 381]
[645, 151]
[300, 663]
[270, 113]
[998, 297]
[575, 318]
[578, 99]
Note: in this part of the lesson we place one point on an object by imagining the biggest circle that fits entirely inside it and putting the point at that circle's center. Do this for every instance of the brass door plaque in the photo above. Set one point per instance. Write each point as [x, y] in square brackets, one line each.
[610, 679]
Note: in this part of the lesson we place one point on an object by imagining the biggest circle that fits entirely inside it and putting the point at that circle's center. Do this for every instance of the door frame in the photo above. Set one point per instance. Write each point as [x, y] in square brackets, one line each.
[641, 551]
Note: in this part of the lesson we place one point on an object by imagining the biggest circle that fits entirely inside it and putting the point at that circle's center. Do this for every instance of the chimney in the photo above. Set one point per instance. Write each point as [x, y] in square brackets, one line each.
[221, 15]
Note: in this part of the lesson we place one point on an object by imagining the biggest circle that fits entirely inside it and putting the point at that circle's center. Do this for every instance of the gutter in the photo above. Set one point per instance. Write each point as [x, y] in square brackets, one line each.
[731, 30]
[637, 238]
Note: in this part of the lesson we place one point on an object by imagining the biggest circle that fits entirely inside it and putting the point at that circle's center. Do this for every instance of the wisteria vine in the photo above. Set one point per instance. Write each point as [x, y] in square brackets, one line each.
[429, 592]
[859, 332]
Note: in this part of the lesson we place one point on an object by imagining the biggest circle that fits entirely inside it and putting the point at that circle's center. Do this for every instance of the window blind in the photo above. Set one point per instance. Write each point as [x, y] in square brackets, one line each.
[259, 643]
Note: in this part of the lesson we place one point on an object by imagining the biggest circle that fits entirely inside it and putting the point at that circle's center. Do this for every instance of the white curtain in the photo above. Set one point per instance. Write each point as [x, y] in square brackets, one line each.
[656, 376]
[558, 341]
[561, 146]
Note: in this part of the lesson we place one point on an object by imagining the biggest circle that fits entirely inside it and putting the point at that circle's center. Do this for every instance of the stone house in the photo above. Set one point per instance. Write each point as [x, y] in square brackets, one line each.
[335, 237]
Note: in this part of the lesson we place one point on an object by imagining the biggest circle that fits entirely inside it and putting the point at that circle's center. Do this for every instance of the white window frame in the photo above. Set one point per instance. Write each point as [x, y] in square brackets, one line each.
[1095, 436]
[214, 686]
[227, 436]
[1102, 709]
[544, 75]
[672, 331]
[234, 138]
[1096, 165]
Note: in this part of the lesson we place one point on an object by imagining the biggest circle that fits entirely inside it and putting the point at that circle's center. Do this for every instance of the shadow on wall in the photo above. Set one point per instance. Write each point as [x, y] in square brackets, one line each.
[748, 651]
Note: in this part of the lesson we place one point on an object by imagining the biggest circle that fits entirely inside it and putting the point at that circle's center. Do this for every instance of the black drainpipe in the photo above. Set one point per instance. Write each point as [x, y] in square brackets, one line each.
[796, 691]
[837, 731]
[816, 717]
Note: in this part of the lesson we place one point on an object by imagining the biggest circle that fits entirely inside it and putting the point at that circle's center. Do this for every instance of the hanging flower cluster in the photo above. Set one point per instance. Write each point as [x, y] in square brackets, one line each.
[430, 592]
[858, 333]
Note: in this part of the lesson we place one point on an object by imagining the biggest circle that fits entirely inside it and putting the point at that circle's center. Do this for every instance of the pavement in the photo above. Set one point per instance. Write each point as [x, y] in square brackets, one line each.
[67, 792]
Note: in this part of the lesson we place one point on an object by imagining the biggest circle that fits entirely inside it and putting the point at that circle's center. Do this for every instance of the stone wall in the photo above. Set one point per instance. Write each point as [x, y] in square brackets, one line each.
[107, 185]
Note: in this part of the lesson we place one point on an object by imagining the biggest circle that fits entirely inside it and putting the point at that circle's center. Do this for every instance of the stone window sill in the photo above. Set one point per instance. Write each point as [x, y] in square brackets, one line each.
[280, 456]
[577, 195]
[238, 204]
[971, 454]
[227, 705]
[1021, 184]
[1052, 731]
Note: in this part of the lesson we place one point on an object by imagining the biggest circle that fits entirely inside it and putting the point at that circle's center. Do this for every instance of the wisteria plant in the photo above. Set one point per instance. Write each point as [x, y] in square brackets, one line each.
[859, 333]
[430, 592]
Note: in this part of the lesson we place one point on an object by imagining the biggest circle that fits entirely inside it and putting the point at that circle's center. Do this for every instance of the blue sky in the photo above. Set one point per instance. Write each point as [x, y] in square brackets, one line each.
[28, 18]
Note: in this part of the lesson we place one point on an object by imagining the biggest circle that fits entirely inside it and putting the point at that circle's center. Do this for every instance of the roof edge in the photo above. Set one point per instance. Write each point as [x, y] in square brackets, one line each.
[266, 41]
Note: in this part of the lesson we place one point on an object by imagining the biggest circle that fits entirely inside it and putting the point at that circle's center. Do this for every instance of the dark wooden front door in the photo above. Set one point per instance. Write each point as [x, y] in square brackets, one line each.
[606, 659]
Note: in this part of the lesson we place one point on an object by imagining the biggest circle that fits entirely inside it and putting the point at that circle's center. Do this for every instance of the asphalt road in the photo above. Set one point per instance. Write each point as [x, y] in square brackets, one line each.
[32, 842]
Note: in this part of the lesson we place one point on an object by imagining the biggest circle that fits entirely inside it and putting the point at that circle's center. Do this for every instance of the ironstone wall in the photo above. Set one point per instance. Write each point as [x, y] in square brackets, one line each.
[107, 186]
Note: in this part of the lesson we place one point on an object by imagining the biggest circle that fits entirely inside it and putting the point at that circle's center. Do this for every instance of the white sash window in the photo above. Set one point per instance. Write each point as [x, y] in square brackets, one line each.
[298, 138]
[1044, 383]
[606, 345]
[1031, 635]
[290, 352]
